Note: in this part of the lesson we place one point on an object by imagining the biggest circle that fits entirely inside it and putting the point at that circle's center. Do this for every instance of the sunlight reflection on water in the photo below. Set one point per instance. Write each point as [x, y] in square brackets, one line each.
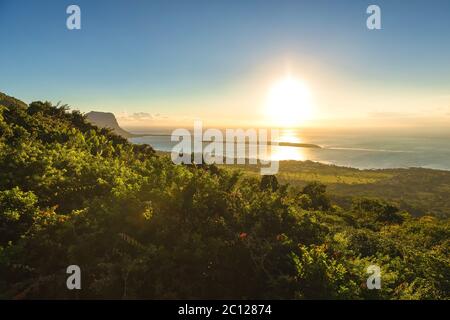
[363, 150]
[278, 153]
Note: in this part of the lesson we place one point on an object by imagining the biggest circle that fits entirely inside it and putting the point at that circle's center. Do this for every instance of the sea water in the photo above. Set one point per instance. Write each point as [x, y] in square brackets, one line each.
[358, 149]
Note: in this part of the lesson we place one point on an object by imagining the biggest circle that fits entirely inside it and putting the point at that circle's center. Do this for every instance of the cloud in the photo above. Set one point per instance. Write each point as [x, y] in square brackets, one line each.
[140, 116]
[388, 114]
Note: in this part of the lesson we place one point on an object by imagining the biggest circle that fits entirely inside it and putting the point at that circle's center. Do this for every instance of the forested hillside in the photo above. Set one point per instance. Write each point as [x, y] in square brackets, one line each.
[419, 191]
[141, 227]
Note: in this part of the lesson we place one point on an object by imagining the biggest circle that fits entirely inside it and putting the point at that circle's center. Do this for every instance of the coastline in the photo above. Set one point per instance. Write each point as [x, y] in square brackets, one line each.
[396, 185]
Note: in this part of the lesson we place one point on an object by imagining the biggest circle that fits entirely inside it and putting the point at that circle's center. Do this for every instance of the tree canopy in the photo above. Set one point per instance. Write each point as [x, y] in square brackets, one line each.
[140, 226]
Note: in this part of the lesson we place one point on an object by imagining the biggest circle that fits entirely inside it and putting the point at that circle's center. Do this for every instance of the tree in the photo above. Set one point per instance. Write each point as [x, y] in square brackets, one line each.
[317, 194]
[269, 182]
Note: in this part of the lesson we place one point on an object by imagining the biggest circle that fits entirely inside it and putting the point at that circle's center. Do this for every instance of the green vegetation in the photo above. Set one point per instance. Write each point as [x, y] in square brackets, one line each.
[418, 191]
[142, 227]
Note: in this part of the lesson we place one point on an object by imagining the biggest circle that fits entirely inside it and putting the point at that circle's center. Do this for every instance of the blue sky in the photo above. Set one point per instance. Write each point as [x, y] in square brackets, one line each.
[181, 57]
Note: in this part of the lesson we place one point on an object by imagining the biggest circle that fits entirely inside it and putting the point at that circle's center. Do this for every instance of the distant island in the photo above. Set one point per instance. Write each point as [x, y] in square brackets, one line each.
[283, 144]
[299, 145]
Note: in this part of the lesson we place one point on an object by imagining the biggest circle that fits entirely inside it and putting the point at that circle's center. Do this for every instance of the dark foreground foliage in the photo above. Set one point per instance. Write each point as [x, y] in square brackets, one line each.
[142, 227]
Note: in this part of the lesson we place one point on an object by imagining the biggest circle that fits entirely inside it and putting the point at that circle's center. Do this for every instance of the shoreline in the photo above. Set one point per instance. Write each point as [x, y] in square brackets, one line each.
[281, 144]
[319, 163]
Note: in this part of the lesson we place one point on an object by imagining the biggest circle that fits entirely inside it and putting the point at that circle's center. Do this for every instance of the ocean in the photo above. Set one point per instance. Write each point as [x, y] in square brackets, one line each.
[363, 149]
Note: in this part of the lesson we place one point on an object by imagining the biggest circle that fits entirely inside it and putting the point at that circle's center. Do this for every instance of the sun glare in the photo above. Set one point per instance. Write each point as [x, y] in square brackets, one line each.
[289, 103]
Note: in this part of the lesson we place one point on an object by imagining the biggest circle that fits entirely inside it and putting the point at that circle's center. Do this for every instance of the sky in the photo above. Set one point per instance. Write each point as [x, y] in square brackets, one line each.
[170, 62]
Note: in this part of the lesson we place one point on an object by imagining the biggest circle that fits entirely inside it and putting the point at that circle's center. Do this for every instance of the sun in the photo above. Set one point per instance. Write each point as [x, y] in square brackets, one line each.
[289, 103]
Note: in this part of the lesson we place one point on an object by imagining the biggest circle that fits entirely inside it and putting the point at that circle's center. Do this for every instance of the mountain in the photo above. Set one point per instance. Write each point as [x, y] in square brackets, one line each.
[11, 102]
[107, 120]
